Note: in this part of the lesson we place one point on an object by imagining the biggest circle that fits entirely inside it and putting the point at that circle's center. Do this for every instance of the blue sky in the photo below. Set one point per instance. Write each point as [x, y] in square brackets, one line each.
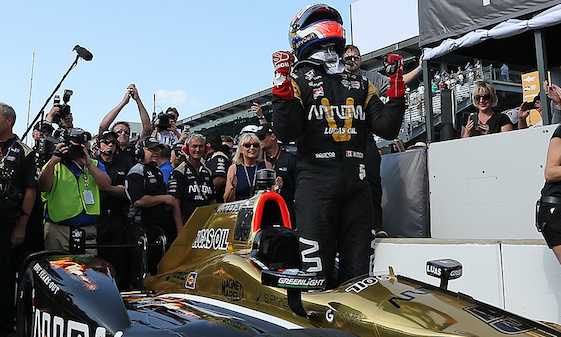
[194, 55]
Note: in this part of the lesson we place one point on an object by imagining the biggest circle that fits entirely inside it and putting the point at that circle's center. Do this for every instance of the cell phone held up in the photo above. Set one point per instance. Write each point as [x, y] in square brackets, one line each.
[529, 105]
[474, 116]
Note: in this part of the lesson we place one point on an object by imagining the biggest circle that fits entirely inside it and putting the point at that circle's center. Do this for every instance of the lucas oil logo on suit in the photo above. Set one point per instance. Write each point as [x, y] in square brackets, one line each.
[333, 113]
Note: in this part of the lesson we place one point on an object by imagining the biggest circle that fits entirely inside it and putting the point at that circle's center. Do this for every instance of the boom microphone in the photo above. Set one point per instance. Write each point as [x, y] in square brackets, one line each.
[83, 53]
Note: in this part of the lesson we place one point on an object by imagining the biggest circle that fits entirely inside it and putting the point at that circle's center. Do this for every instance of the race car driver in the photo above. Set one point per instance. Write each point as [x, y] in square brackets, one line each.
[329, 112]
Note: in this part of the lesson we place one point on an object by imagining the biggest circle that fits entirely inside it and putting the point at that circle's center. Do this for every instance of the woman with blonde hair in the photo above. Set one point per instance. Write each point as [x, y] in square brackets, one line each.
[485, 120]
[242, 174]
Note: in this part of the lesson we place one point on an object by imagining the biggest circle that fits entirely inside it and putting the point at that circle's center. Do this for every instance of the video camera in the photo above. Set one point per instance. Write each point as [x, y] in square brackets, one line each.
[46, 145]
[64, 108]
[163, 120]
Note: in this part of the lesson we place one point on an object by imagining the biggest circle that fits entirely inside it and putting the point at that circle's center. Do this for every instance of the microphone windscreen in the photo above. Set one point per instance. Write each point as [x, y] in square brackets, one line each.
[83, 53]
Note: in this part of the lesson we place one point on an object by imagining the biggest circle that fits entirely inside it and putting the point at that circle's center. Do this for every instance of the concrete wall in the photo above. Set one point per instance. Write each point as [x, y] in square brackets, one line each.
[521, 276]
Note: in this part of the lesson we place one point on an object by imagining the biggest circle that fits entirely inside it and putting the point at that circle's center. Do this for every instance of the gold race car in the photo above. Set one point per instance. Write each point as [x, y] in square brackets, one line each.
[235, 270]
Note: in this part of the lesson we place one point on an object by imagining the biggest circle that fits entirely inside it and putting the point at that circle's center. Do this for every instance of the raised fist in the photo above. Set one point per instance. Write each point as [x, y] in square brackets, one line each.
[282, 87]
[393, 64]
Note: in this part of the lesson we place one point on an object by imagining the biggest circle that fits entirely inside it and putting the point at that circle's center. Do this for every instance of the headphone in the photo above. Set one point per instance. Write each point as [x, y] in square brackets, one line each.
[139, 149]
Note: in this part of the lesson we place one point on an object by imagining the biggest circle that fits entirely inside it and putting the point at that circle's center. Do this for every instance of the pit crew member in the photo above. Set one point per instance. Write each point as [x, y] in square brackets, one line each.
[191, 183]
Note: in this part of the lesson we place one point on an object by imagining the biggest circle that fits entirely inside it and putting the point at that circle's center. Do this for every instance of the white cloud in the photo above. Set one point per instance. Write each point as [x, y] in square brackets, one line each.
[174, 97]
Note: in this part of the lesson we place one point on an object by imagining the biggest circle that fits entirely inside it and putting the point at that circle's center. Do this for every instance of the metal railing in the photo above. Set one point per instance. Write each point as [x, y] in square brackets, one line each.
[414, 117]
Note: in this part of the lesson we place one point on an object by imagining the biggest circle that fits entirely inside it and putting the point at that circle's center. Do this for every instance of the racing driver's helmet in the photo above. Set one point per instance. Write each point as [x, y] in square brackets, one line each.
[314, 26]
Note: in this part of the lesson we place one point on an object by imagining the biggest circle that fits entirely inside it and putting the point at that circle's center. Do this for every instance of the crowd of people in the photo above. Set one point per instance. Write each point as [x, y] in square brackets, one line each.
[448, 80]
[117, 189]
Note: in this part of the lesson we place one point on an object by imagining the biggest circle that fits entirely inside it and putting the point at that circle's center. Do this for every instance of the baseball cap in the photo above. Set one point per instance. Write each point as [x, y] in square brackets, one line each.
[263, 130]
[107, 133]
[150, 143]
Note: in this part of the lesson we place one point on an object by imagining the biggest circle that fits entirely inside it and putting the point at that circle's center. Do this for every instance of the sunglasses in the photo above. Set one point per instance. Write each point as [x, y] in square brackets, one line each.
[248, 145]
[485, 97]
[123, 130]
[352, 58]
[109, 141]
[262, 137]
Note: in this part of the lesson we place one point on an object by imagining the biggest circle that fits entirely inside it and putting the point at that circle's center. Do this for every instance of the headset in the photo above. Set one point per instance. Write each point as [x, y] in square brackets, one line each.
[139, 149]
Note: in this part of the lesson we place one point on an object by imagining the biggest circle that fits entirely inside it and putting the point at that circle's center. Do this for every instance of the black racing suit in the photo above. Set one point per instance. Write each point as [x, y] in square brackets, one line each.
[329, 118]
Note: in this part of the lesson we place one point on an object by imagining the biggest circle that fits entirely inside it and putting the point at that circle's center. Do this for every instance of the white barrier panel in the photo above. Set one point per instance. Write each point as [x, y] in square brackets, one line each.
[521, 276]
[486, 187]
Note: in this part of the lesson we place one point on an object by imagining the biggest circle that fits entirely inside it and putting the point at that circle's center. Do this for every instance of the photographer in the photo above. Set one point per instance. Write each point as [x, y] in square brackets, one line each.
[18, 181]
[60, 114]
[42, 129]
[73, 182]
[125, 150]
[44, 141]
[165, 130]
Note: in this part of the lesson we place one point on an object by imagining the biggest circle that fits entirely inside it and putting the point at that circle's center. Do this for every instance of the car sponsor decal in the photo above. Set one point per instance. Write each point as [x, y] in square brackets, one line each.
[343, 318]
[359, 286]
[45, 324]
[178, 277]
[407, 296]
[498, 321]
[210, 238]
[292, 282]
[314, 262]
[236, 324]
[329, 315]
[273, 299]
[232, 290]
[191, 281]
[43, 276]
[228, 208]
